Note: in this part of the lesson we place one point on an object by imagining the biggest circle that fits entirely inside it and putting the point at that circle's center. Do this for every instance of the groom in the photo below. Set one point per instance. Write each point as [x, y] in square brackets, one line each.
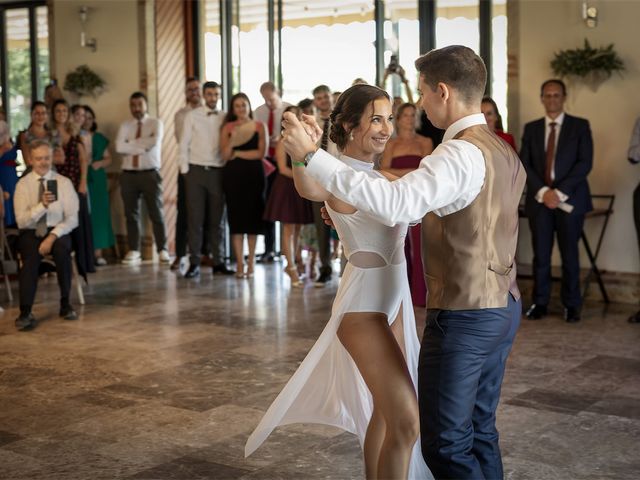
[468, 191]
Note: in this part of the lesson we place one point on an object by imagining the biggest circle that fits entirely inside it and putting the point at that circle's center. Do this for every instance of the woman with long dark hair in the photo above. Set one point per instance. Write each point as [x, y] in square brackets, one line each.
[75, 167]
[243, 145]
[361, 374]
[98, 186]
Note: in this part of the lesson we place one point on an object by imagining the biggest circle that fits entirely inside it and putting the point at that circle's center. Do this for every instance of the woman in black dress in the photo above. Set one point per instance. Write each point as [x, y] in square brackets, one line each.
[243, 145]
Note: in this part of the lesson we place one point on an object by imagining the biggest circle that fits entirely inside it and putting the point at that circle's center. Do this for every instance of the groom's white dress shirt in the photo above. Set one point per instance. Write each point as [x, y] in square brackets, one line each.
[446, 181]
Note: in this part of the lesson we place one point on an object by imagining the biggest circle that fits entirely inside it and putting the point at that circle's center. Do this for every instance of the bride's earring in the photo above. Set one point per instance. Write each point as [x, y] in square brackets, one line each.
[350, 136]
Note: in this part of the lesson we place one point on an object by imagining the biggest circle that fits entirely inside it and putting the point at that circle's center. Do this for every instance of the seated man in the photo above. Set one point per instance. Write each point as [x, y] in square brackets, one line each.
[45, 219]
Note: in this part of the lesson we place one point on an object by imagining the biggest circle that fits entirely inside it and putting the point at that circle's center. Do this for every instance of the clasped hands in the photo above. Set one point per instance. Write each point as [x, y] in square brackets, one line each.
[551, 199]
[300, 136]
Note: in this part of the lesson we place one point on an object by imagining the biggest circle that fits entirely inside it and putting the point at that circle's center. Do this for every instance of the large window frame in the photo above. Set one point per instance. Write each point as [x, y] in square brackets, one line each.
[426, 16]
[31, 6]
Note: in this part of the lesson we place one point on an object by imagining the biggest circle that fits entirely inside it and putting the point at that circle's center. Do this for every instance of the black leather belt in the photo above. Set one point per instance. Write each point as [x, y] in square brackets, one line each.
[204, 167]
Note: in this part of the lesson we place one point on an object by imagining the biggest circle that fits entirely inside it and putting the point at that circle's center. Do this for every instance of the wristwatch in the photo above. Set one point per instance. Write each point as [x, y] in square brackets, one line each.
[307, 158]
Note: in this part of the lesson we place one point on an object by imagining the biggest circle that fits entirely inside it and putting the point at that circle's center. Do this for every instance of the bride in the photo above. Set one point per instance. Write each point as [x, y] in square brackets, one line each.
[361, 374]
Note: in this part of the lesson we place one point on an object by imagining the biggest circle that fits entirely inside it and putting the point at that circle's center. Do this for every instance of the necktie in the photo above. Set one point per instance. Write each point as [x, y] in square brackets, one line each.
[41, 225]
[550, 153]
[212, 112]
[272, 150]
[136, 158]
[324, 140]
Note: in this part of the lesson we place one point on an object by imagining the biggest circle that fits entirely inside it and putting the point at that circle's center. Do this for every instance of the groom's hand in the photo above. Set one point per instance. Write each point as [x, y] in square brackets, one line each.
[296, 137]
[326, 217]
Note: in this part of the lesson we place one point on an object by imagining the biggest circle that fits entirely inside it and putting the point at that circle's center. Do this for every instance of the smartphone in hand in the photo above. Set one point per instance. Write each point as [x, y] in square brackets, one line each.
[52, 187]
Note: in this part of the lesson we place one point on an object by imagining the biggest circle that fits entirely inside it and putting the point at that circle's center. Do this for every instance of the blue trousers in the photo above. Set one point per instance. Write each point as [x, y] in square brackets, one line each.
[462, 362]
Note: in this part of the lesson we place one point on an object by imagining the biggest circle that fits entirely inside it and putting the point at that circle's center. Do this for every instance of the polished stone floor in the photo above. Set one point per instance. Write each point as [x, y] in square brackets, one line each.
[164, 378]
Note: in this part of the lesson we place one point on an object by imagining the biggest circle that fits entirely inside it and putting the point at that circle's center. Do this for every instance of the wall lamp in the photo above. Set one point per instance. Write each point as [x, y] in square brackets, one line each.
[91, 43]
[589, 15]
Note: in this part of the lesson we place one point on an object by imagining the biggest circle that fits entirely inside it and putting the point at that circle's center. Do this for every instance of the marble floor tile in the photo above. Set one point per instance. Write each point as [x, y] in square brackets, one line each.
[165, 378]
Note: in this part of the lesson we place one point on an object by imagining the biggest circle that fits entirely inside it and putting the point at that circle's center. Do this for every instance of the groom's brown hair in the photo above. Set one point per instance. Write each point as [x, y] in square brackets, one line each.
[458, 67]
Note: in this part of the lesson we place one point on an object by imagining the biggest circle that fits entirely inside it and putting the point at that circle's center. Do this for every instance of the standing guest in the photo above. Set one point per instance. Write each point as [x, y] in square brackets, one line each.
[8, 175]
[287, 206]
[52, 93]
[557, 151]
[494, 120]
[270, 113]
[202, 167]
[323, 102]
[38, 129]
[75, 167]
[402, 155]
[78, 118]
[193, 101]
[45, 220]
[98, 187]
[634, 158]
[139, 141]
[306, 106]
[243, 144]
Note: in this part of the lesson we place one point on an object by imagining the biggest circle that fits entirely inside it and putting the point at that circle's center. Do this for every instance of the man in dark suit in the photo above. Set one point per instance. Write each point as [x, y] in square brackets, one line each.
[557, 152]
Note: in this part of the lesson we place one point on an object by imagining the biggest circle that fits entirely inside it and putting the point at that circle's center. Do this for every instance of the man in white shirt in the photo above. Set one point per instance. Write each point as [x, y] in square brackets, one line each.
[469, 189]
[270, 113]
[139, 141]
[45, 219]
[202, 165]
[193, 101]
[323, 102]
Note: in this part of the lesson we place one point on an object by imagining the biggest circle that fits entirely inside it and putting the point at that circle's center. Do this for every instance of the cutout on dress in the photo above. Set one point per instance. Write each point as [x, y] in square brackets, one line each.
[367, 260]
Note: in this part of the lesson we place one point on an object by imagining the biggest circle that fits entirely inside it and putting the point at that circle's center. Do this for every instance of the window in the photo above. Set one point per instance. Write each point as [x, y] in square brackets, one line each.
[326, 42]
[402, 39]
[499, 58]
[25, 60]
[458, 23]
[212, 39]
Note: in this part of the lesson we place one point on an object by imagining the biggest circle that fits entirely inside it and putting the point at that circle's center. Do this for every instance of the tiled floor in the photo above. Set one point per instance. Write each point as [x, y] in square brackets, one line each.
[164, 378]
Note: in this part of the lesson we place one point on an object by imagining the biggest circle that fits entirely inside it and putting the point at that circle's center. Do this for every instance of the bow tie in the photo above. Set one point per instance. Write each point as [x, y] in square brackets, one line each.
[212, 112]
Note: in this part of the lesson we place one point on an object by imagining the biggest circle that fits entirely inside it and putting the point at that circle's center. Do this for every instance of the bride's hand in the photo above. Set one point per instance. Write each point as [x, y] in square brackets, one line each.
[311, 127]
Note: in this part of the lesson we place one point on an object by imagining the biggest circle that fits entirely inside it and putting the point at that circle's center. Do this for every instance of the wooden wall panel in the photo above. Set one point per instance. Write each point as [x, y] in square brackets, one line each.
[170, 71]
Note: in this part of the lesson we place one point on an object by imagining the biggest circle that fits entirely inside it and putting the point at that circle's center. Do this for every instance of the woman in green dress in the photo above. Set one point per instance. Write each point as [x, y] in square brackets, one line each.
[98, 188]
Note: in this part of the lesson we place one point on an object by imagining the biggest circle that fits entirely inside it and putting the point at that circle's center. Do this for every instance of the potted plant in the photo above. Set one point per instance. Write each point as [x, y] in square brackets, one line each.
[591, 65]
[83, 81]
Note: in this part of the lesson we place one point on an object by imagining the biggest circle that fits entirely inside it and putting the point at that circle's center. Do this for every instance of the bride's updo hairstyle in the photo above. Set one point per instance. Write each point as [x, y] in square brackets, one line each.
[348, 111]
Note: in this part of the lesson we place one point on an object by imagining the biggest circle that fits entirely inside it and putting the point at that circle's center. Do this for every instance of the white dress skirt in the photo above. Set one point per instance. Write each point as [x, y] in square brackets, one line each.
[327, 387]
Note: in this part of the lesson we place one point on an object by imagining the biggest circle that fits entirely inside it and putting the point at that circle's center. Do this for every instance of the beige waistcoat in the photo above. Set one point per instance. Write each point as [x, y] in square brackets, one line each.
[469, 255]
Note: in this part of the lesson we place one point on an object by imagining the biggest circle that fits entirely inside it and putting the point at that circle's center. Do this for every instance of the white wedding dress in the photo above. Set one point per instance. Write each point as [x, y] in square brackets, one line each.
[327, 387]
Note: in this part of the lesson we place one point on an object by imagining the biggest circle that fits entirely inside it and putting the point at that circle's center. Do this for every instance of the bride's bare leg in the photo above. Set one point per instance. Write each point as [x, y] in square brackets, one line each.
[373, 443]
[373, 347]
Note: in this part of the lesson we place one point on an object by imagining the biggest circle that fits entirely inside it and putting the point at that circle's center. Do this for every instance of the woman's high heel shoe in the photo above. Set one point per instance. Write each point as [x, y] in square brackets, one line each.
[293, 275]
[240, 272]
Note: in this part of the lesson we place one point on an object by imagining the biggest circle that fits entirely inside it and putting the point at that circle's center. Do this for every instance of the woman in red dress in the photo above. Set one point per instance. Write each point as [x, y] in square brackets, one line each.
[494, 121]
[403, 154]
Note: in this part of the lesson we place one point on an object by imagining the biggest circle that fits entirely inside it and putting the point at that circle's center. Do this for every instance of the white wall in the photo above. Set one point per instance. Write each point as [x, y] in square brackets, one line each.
[544, 27]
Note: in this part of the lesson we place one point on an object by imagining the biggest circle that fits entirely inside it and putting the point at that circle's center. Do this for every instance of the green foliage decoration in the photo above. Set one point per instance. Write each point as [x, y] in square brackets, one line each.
[583, 61]
[83, 81]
